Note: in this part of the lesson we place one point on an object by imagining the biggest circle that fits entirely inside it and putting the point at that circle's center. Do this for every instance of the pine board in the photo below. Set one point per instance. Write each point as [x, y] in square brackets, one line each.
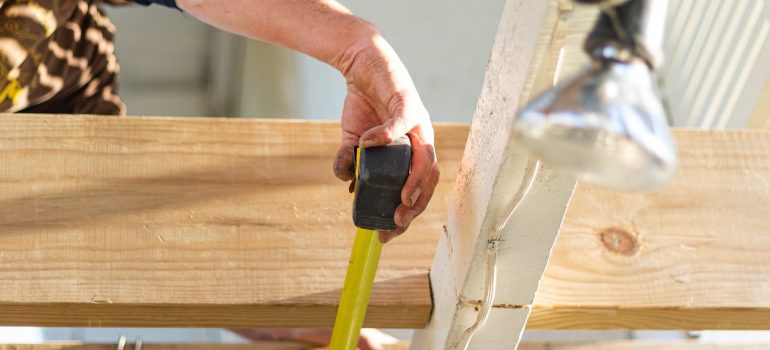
[692, 255]
[192, 222]
[227, 223]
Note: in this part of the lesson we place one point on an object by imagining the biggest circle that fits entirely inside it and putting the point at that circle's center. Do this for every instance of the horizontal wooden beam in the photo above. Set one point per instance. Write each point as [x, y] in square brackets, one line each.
[228, 223]
[644, 345]
[192, 222]
[604, 345]
[264, 345]
[261, 345]
[692, 255]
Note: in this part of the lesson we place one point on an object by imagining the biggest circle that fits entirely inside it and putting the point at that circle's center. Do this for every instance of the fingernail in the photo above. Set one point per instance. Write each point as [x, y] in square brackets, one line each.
[367, 143]
[414, 196]
[408, 219]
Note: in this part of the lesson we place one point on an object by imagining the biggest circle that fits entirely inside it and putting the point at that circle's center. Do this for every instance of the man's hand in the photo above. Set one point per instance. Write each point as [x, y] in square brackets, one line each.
[381, 106]
[382, 103]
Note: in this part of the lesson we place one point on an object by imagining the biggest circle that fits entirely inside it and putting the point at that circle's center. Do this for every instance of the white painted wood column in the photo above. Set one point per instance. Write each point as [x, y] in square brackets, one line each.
[492, 169]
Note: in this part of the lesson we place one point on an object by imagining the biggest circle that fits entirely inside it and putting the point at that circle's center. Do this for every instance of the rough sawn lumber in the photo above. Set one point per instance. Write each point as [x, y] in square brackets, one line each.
[214, 222]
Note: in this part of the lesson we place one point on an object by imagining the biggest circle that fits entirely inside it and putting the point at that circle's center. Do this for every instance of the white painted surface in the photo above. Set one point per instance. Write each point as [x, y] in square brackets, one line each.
[716, 61]
[491, 174]
[21, 335]
[445, 46]
[164, 57]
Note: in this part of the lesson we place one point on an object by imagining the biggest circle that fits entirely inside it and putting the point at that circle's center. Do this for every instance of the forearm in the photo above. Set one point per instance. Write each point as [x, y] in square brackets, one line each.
[323, 29]
[382, 102]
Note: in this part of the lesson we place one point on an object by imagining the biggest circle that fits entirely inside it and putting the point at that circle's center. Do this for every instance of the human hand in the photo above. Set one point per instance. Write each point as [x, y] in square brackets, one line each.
[382, 105]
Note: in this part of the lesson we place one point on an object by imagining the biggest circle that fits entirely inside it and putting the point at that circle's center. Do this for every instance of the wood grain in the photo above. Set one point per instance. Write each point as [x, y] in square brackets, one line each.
[644, 345]
[606, 345]
[192, 222]
[82, 346]
[261, 345]
[692, 255]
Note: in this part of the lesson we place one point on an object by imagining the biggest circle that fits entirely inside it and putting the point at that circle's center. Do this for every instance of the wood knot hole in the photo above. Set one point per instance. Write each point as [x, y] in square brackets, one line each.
[619, 241]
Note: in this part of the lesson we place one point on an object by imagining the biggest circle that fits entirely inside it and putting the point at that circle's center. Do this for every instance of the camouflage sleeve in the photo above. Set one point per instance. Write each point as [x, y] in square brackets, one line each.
[57, 57]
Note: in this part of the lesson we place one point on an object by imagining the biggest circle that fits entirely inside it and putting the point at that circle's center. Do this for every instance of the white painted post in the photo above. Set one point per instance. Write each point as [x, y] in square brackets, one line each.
[491, 172]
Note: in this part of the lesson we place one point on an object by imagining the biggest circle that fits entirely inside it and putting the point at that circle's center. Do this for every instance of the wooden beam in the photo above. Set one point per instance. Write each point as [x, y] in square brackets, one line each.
[493, 170]
[644, 345]
[226, 223]
[261, 345]
[265, 345]
[192, 222]
[605, 345]
[692, 255]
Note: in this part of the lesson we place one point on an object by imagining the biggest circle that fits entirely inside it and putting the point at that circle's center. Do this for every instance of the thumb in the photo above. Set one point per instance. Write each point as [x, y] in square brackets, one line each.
[393, 128]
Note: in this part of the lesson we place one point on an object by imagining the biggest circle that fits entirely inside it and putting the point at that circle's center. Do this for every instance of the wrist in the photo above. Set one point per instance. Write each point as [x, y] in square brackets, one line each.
[361, 39]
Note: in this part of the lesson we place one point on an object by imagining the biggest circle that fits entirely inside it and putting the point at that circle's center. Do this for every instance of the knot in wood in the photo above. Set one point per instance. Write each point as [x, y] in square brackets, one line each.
[619, 241]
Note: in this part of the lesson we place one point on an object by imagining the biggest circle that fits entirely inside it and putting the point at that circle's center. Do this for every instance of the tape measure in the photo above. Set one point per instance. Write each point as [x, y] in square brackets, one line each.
[380, 174]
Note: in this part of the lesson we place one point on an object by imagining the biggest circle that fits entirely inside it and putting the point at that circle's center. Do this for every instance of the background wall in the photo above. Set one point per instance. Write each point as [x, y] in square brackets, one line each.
[173, 65]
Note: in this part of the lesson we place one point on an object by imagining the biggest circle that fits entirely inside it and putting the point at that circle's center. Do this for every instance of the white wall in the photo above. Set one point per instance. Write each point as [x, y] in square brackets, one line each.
[444, 44]
[716, 61]
[164, 57]
[171, 64]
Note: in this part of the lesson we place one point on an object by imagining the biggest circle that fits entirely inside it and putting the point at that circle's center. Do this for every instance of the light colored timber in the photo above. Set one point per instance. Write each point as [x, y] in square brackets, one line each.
[261, 345]
[493, 172]
[264, 345]
[644, 345]
[692, 255]
[192, 222]
[606, 345]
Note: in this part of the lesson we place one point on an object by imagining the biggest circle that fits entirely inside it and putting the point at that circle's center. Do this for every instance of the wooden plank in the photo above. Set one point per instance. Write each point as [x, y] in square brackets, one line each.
[607, 345]
[491, 173]
[645, 345]
[265, 345]
[692, 255]
[261, 345]
[192, 222]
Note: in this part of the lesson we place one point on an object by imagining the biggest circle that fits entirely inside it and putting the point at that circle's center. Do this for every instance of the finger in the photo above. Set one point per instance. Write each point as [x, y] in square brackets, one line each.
[423, 159]
[343, 162]
[386, 236]
[405, 214]
[386, 133]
